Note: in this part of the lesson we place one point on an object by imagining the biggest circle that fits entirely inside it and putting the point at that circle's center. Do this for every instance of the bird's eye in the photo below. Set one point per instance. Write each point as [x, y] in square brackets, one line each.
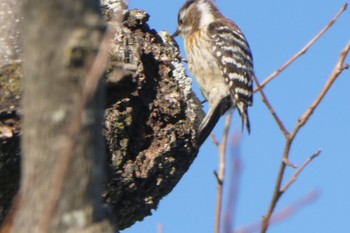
[180, 21]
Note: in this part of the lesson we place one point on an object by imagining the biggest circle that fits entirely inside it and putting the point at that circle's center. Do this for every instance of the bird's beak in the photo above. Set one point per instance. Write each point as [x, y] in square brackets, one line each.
[176, 33]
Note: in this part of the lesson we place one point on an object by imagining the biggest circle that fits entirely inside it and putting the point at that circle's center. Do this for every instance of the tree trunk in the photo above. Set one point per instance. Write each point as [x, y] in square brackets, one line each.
[150, 123]
[60, 41]
[10, 19]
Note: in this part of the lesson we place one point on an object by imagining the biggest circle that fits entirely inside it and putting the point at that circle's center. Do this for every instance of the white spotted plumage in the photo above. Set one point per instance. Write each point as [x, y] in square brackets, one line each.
[219, 58]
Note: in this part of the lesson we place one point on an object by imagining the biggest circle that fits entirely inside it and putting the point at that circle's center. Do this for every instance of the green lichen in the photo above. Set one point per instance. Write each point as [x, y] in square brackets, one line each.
[10, 85]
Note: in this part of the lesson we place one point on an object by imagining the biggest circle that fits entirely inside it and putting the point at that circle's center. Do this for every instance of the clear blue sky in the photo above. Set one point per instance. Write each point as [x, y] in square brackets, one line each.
[275, 30]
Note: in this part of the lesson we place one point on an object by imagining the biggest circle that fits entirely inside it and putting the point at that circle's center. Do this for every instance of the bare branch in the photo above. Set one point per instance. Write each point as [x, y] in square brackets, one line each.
[337, 70]
[304, 49]
[339, 67]
[284, 213]
[221, 172]
[299, 170]
[235, 173]
[271, 109]
[294, 207]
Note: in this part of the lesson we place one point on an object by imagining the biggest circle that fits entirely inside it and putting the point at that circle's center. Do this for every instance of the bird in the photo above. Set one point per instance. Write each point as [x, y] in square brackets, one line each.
[220, 59]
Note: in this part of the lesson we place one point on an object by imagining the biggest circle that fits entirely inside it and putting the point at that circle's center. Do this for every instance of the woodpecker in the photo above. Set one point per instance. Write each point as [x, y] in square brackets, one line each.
[220, 59]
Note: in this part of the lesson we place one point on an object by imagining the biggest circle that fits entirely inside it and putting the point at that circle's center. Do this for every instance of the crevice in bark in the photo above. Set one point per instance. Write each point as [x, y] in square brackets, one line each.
[150, 124]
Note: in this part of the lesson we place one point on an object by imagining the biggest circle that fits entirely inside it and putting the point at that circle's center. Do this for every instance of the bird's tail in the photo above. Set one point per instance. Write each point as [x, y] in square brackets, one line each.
[212, 118]
[243, 113]
[214, 115]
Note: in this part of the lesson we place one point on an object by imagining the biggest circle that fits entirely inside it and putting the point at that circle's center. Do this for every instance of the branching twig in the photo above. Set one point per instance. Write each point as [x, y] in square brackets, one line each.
[221, 171]
[300, 169]
[289, 137]
[339, 67]
[303, 50]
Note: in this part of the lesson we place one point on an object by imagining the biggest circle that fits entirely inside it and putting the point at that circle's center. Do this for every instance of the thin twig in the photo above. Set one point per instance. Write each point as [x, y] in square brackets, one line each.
[337, 70]
[235, 173]
[304, 49]
[214, 140]
[299, 170]
[271, 109]
[277, 193]
[284, 213]
[221, 172]
[160, 228]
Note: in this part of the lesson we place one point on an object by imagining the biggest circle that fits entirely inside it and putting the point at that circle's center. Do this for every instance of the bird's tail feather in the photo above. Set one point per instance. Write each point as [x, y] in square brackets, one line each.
[243, 113]
[214, 115]
[212, 118]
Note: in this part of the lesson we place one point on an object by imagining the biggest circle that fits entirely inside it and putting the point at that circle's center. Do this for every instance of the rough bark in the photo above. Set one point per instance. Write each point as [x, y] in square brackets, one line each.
[151, 119]
[10, 76]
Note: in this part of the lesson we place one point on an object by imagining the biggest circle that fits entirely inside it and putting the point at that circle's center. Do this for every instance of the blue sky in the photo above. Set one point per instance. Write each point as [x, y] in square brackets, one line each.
[276, 30]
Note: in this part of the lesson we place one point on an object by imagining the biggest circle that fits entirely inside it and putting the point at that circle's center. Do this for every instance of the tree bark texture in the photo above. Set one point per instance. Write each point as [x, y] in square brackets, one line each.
[10, 76]
[10, 18]
[60, 41]
[150, 122]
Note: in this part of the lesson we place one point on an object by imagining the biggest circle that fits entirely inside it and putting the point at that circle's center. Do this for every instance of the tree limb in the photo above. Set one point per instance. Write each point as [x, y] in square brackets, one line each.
[278, 192]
